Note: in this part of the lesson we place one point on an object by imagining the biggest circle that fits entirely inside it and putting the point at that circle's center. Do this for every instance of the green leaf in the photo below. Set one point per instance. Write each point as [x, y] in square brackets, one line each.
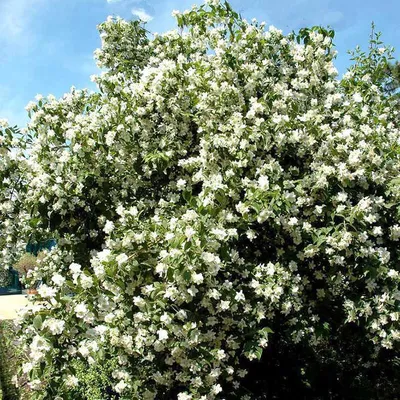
[258, 352]
[37, 322]
[265, 331]
[187, 275]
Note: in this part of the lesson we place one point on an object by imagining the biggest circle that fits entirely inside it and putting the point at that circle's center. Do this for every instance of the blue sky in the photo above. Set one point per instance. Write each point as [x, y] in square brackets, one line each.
[46, 46]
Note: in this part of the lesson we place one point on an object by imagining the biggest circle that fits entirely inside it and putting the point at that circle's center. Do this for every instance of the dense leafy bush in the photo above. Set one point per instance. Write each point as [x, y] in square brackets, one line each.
[26, 263]
[222, 191]
[94, 381]
[10, 357]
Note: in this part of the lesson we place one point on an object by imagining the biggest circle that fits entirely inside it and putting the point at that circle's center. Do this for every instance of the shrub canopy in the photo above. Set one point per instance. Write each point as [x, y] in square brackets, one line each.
[220, 188]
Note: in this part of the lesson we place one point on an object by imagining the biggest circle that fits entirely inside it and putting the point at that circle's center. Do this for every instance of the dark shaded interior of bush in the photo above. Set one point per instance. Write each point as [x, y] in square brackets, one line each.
[344, 368]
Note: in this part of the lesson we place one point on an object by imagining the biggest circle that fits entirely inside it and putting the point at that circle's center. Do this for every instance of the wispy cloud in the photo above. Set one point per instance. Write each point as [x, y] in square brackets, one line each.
[142, 14]
[113, 1]
[16, 17]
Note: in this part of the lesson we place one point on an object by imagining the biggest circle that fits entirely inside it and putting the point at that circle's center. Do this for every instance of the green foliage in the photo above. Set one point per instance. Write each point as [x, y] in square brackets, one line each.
[376, 67]
[10, 357]
[5, 277]
[392, 85]
[26, 263]
[95, 380]
[371, 67]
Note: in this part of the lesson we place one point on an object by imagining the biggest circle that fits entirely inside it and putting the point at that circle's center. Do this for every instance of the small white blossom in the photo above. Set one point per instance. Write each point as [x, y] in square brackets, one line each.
[108, 227]
[162, 334]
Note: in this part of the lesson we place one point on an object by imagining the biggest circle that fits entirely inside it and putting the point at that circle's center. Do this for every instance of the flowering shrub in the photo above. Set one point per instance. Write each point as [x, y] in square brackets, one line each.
[222, 187]
[12, 190]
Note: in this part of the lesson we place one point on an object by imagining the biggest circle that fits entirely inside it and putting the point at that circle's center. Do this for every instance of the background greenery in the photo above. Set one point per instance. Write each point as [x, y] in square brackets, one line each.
[10, 357]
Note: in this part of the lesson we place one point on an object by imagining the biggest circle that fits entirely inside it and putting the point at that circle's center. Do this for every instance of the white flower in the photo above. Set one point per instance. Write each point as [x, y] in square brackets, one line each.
[216, 389]
[181, 184]
[84, 350]
[75, 268]
[86, 281]
[108, 227]
[393, 273]
[293, 221]
[120, 210]
[47, 291]
[221, 234]
[58, 279]
[197, 278]
[189, 232]
[56, 326]
[30, 106]
[35, 384]
[165, 318]
[121, 258]
[357, 97]
[161, 268]
[240, 296]
[251, 235]
[225, 304]
[109, 318]
[121, 386]
[270, 268]
[27, 367]
[342, 197]
[71, 381]
[162, 334]
[110, 137]
[81, 310]
[263, 182]
[104, 255]
[377, 231]
[184, 396]
[242, 208]
[139, 301]
[169, 235]
[395, 232]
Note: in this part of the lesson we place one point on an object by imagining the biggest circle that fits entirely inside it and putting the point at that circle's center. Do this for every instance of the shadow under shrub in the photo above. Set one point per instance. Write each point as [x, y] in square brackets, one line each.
[343, 367]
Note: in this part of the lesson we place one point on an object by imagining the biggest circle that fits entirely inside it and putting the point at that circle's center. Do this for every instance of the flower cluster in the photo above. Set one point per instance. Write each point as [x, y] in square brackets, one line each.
[221, 185]
[13, 165]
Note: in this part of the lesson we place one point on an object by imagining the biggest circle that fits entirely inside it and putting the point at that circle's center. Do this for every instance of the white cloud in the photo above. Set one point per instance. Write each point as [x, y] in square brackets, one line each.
[113, 1]
[139, 12]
